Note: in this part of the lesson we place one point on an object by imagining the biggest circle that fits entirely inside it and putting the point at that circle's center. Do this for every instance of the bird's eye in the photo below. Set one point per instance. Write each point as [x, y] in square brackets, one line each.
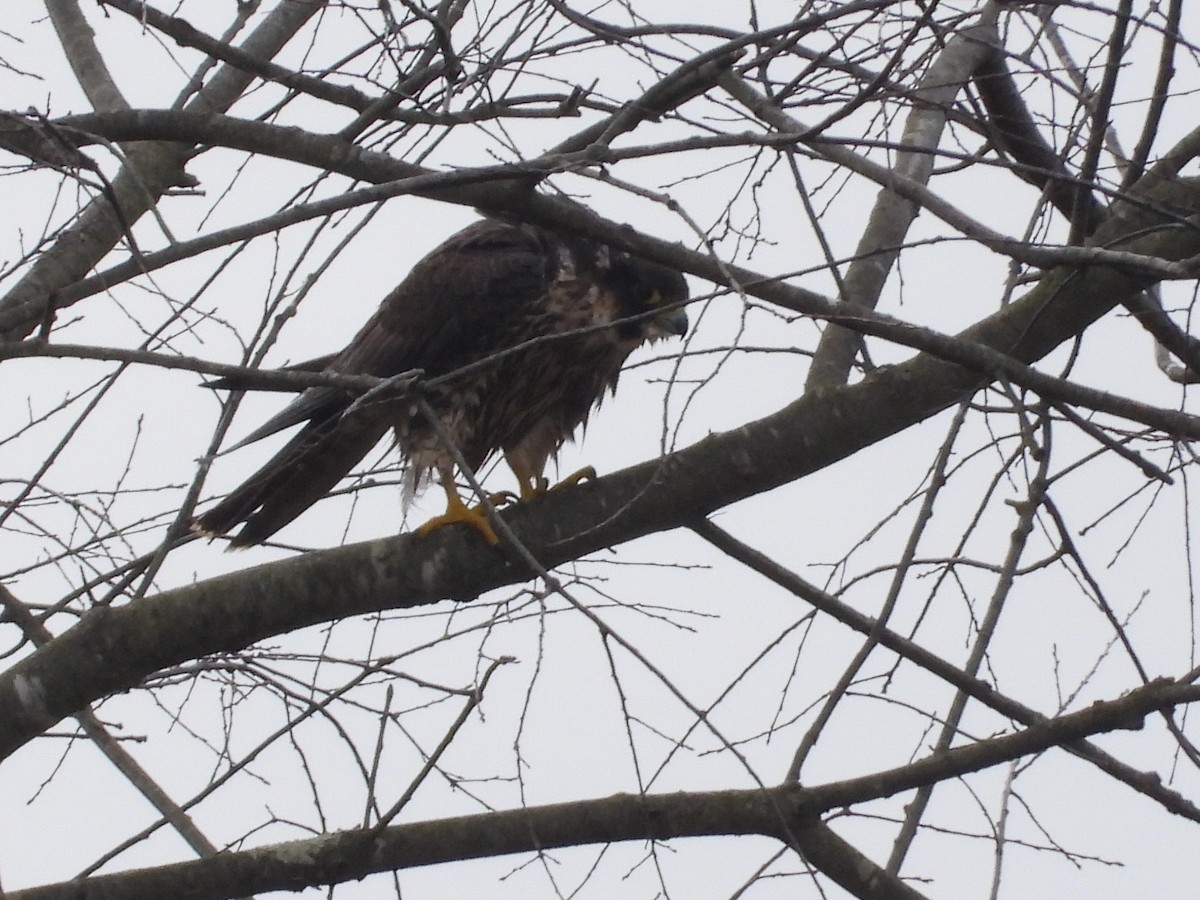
[656, 299]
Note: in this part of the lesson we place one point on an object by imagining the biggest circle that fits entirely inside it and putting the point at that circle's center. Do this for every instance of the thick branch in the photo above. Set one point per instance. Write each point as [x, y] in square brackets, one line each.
[115, 649]
[506, 191]
[1013, 129]
[91, 71]
[905, 648]
[149, 170]
[786, 813]
[892, 215]
[99, 735]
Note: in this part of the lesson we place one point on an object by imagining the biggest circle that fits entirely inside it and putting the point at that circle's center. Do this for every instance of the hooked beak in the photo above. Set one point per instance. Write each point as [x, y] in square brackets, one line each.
[672, 321]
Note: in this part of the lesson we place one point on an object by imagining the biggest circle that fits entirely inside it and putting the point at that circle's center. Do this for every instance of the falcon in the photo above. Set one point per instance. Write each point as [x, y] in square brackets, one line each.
[519, 332]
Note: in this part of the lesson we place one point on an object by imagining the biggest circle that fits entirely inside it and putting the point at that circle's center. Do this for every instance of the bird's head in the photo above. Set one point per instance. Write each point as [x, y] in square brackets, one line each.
[644, 287]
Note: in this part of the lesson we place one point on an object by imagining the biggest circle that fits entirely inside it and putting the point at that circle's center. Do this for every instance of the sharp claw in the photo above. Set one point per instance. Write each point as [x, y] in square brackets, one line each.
[541, 485]
[475, 516]
[587, 473]
[535, 489]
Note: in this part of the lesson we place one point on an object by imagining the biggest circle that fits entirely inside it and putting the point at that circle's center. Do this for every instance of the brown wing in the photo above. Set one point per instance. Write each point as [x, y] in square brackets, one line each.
[448, 308]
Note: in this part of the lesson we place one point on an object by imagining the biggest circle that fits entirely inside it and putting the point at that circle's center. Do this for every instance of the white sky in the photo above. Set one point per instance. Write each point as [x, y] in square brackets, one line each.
[555, 718]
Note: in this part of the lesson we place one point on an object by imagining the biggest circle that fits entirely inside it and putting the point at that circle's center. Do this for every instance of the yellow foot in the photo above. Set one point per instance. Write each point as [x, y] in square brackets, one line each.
[587, 473]
[534, 487]
[537, 485]
[475, 516]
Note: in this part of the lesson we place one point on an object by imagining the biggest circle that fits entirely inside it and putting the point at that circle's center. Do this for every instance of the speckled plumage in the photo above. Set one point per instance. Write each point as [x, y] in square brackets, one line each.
[489, 288]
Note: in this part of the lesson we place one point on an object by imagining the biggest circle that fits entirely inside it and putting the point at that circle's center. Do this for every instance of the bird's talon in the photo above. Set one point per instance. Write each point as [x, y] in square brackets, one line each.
[587, 473]
[534, 486]
[475, 516]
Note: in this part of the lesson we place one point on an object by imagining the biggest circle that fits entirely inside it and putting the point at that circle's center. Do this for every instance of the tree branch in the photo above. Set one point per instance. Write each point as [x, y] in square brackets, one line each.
[149, 170]
[114, 649]
[892, 215]
[787, 813]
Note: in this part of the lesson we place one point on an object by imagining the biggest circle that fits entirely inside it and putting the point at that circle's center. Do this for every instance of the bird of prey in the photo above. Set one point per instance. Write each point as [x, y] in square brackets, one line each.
[568, 310]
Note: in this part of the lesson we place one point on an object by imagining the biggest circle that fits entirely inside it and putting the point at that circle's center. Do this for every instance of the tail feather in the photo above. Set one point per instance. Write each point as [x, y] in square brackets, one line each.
[316, 404]
[299, 475]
